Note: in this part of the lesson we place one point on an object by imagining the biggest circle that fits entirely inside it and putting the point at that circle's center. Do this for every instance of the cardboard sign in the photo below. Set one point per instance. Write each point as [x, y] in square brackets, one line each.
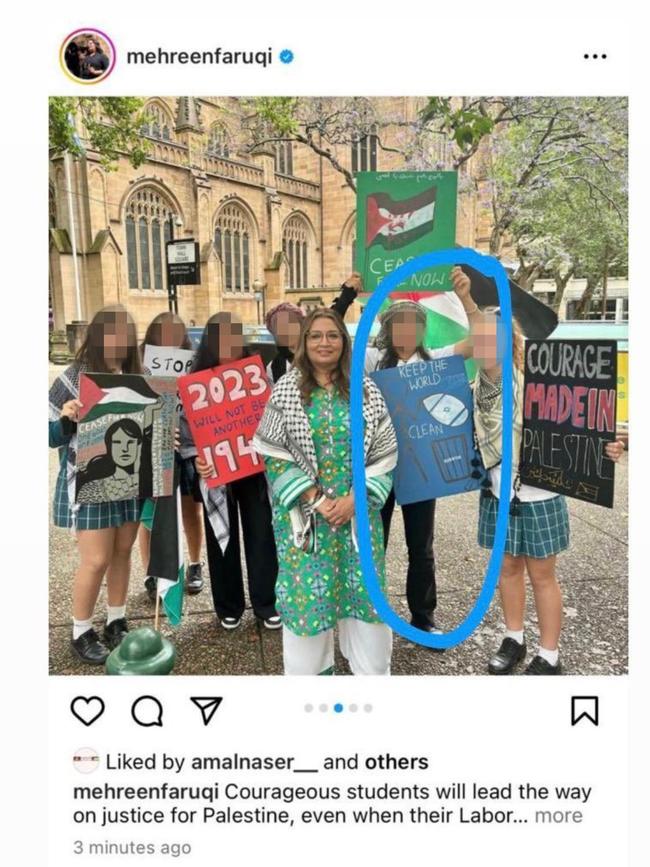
[569, 417]
[125, 437]
[223, 407]
[430, 404]
[167, 360]
[401, 215]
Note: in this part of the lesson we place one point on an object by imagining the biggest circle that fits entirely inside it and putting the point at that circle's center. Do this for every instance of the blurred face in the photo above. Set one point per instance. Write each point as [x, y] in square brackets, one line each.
[124, 449]
[171, 333]
[324, 343]
[406, 333]
[487, 342]
[116, 341]
[91, 46]
[230, 337]
[287, 329]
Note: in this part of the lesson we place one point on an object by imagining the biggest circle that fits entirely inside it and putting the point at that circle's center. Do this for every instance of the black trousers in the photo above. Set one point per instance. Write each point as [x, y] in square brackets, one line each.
[421, 575]
[247, 500]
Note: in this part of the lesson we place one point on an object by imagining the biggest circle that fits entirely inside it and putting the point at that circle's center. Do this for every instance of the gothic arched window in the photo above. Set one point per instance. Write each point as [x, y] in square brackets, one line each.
[148, 227]
[232, 241]
[284, 157]
[219, 141]
[295, 244]
[157, 123]
[364, 152]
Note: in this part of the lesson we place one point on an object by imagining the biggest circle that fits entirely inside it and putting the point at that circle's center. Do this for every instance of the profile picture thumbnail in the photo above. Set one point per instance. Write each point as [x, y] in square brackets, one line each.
[87, 56]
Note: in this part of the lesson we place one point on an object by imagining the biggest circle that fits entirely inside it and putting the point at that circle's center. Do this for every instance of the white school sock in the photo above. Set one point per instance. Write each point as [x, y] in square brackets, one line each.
[114, 612]
[79, 627]
[516, 635]
[551, 656]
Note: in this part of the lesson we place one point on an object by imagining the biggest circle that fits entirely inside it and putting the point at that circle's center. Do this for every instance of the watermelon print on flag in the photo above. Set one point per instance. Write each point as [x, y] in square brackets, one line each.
[125, 437]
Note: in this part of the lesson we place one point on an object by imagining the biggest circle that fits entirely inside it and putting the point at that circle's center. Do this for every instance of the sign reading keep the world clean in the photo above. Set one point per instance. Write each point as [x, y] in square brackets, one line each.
[430, 404]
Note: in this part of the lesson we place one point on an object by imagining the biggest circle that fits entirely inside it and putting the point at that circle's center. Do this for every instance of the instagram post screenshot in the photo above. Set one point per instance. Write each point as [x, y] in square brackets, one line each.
[331, 553]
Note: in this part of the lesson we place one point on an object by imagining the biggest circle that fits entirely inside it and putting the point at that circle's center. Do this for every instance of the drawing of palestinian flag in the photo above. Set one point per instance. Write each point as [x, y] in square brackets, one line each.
[162, 517]
[113, 394]
[397, 223]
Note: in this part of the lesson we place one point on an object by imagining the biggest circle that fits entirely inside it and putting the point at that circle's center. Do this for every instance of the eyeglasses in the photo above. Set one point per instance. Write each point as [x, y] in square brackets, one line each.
[329, 336]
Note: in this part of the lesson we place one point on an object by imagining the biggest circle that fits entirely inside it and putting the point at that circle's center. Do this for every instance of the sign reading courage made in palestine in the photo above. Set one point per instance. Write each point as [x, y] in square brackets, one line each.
[430, 404]
[401, 215]
[569, 417]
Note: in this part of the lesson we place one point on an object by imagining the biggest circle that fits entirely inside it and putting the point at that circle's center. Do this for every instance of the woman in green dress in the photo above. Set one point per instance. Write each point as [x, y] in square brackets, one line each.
[304, 436]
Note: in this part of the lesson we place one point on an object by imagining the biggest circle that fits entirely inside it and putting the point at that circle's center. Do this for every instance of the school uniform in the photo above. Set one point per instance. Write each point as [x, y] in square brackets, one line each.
[419, 523]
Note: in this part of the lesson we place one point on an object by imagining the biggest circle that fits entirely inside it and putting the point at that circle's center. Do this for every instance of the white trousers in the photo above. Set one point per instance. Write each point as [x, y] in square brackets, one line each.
[366, 646]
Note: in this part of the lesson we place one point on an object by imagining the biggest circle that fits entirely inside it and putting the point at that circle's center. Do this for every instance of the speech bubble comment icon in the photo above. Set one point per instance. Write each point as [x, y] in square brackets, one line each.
[489, 267]
[147, 711]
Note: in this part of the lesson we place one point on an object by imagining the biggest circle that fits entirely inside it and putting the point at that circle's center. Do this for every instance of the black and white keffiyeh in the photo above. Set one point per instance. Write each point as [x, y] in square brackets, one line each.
[284, 432]
[215, 500]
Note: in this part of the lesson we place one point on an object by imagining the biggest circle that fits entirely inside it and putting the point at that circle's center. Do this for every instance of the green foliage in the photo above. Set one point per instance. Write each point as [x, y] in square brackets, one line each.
[109, 125]
[466, 125]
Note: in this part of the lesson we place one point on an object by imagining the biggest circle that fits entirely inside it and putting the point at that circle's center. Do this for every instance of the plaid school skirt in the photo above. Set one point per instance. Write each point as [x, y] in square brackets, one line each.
[540, 530]
[92, 516]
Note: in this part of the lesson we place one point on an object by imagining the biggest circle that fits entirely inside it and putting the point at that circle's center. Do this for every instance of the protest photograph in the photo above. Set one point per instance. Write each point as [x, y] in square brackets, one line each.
[270, 400]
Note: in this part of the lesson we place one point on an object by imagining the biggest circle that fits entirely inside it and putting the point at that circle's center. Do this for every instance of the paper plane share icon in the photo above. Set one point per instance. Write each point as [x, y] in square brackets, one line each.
[208, 705]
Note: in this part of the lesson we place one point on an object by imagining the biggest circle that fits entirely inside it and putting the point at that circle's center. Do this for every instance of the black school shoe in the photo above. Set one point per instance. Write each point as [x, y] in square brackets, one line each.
[539, 665]
[88, 648]
[115, 631]
[432, 629]
[194, 579]
[150, 587]
[507, 657]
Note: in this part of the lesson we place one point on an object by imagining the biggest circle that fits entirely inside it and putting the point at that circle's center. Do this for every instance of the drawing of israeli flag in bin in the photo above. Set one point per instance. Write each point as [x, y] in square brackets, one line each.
[451, 453]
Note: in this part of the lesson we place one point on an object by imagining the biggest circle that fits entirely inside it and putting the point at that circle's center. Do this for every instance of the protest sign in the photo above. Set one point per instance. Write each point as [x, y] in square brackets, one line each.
[167, 360]
[401, 215]
[569, 417]
[223, 406]
[125, 437]
[430, 404]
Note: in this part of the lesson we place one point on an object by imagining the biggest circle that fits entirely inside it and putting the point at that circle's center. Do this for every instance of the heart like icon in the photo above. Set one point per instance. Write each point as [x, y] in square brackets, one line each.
[87, 710]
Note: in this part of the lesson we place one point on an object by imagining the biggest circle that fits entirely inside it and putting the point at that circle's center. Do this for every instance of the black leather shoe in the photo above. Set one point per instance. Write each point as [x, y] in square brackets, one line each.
[88, 648]
[539, 665]
[507, 657]
[432, 629]
[194, 579]
[115, 631]
[150, 587]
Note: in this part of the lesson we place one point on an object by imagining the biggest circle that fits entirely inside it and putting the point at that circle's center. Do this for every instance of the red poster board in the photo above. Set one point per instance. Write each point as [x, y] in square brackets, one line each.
[223, 407]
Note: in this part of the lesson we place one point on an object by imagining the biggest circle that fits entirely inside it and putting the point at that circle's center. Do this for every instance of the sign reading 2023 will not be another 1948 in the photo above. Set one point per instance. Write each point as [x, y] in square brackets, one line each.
[569, 417]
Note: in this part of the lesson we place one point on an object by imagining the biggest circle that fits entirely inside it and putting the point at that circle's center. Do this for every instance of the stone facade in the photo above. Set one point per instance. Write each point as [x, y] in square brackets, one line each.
[197, 178]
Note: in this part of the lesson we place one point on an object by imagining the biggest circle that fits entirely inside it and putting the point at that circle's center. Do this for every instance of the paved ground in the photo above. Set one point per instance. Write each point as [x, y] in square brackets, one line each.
[593, 574]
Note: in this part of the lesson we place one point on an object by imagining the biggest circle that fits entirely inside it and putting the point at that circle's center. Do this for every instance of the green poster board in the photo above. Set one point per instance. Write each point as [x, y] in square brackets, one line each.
[401, 215]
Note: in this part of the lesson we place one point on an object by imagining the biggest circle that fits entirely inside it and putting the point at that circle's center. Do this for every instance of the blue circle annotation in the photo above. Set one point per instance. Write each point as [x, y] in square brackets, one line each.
[490, 267]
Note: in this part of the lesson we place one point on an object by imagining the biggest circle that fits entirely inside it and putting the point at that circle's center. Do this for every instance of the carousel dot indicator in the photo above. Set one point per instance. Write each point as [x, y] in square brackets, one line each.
[309, 708]
[367, 708]
[322, 708]
[338, 708]
[353, 708]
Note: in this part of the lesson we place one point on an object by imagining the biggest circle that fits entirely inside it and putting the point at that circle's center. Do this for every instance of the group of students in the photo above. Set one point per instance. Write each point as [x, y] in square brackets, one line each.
[298, 518]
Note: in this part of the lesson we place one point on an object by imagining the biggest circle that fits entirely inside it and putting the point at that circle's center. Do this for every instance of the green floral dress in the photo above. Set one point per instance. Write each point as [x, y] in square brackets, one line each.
[315, 589]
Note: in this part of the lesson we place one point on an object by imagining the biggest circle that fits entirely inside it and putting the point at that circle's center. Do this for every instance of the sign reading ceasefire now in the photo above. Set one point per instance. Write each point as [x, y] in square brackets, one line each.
[569, 417]
[223, 407]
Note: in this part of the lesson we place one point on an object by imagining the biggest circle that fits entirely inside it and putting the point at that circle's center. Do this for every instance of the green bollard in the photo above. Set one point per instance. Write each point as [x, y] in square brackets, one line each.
[142, 651]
